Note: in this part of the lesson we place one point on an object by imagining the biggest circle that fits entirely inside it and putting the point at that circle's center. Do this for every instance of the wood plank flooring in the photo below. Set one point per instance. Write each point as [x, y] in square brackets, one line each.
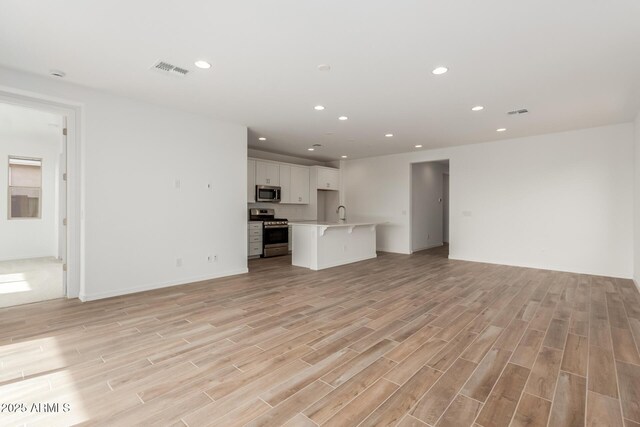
[416, 340]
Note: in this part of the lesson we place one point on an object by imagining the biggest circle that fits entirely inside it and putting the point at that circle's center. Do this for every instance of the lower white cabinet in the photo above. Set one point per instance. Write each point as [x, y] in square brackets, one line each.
[254, 235]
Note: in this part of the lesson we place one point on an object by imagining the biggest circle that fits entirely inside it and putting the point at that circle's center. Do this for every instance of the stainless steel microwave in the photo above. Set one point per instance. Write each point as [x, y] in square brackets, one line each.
[267, 193]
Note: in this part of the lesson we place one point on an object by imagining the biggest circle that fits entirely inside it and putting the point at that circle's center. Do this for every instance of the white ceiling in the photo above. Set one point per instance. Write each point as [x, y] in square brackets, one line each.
[572, 63]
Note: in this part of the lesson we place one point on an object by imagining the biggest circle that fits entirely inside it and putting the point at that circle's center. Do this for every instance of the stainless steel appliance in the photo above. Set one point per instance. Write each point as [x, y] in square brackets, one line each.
[275, 232]
[268, 193]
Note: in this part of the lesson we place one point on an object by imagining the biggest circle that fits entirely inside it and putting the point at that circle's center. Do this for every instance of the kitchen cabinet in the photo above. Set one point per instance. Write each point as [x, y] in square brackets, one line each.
[267, 173]
[299, 193]
[327, 178]
[293, 180]
[251, 181]
[290, 237]
[254, 235]
[285, 184]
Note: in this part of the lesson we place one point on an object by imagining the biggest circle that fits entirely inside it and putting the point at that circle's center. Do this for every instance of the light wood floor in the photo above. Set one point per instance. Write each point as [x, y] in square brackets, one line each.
[409, 340]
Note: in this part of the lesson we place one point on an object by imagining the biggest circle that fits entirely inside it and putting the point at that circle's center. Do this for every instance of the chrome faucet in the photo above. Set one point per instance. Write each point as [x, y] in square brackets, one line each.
[344, 218]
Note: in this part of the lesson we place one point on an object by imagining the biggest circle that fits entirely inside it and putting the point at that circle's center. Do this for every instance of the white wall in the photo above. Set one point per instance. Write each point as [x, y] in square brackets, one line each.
[636, 211]
[136, 223]
[427, 221]
[27, 133]
[266, 155]
[560, 201]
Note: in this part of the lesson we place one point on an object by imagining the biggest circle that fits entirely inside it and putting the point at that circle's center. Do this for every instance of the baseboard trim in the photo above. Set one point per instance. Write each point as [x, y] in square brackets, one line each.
[150, 287]
[635, 282]
[539, 267]
[434, 245]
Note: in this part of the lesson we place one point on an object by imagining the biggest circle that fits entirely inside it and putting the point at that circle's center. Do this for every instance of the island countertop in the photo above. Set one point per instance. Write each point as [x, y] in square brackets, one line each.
[334, 224]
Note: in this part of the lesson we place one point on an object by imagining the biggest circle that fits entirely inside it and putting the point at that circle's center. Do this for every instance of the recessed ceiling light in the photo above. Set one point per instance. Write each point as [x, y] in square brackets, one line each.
[57, 73]
[344, 157]
[440, 70]
[418, 146]
[501, 129]
[343, 118]
[310, 149]
[324, 67]
[262, 138]
[318, 107]
[202, 64]
[477, 108]
[389, 135]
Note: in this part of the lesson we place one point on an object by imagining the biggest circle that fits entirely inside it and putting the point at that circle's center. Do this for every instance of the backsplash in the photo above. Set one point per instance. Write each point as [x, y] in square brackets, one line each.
[290, 212]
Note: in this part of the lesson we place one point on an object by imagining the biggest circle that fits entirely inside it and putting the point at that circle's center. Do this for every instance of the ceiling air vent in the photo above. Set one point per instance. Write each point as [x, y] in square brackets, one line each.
[520, 111]
[169, 69]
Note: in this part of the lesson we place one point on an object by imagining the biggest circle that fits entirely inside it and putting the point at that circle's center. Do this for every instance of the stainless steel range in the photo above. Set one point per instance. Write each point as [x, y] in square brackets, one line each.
[275, 232]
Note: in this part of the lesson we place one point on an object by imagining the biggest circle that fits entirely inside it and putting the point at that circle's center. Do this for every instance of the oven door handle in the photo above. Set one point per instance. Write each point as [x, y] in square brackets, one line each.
[275, 226]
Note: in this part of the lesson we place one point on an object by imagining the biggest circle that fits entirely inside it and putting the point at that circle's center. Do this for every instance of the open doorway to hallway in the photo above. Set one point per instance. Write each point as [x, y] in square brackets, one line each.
[430, 205]
[32, 205]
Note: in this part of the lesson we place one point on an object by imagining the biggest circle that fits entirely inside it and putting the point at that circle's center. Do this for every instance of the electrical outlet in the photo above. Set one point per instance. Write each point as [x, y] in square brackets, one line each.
[215, 258]
[210, 258]
[178, 262]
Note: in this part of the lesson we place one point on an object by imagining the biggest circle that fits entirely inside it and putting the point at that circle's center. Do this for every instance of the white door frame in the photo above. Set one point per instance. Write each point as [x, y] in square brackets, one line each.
[73, 111]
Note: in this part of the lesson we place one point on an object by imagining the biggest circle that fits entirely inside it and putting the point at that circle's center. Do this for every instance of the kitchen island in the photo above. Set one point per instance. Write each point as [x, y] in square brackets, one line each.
[319, 245]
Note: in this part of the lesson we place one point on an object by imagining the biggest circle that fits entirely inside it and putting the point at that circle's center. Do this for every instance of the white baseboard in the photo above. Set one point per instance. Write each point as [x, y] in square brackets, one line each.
[635, 282]
[118, 292]
[392, 251]
[424, 248]
[540, 267]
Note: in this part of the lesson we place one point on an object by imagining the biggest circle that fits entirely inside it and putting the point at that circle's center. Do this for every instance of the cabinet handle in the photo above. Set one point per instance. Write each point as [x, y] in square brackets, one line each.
[328, 185]
[299, 199]
[268, 181]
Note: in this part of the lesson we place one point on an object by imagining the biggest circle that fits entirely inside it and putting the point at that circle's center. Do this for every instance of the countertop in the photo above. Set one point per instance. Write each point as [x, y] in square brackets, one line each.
[333, 224]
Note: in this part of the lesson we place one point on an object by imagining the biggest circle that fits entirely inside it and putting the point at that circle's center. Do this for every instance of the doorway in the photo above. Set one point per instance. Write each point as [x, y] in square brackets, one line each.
[429, 205]
[33, 212]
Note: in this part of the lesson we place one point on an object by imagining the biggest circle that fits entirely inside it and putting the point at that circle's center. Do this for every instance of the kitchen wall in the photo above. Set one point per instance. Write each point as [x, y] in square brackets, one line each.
[291, 212]
[427, 221]
[30, 133]
[636, 269]
[560, 201]
[137, 223]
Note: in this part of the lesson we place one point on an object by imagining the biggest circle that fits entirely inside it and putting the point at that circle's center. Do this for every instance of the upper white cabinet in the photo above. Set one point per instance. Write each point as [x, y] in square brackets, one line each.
[328, 178]
[267, 173]
[293, 180]
[251, 181]
[299, 185]
[285, 184]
